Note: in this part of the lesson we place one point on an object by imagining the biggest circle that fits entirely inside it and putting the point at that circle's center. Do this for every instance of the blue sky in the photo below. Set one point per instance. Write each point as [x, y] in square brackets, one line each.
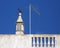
[47, 23]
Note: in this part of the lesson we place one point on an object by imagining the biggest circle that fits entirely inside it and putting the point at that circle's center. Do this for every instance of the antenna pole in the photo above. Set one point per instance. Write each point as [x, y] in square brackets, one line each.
[30, 18]
[30, 8]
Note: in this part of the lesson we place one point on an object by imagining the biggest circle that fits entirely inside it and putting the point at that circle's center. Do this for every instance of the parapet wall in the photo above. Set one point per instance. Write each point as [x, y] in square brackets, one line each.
[45, 40]
[30, 41]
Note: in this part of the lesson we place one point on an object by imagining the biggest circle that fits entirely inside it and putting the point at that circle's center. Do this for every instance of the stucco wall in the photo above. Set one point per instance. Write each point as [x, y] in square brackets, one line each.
[23, 41]
[14, 41]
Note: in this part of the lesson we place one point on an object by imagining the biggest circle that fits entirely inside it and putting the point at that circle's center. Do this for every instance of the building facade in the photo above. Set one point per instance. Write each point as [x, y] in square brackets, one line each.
[21, 40]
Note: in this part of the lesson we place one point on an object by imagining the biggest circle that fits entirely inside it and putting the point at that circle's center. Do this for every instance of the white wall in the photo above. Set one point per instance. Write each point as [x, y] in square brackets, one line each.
[22, 41]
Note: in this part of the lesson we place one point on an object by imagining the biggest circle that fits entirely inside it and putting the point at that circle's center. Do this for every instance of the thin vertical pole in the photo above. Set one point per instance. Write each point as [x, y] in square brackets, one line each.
[30, 18]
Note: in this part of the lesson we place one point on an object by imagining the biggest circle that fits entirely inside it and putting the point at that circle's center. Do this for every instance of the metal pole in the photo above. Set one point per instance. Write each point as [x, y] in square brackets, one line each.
[30, 18]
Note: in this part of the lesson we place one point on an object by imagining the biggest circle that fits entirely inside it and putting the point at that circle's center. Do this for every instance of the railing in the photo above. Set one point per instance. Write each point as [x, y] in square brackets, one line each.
[44, 41]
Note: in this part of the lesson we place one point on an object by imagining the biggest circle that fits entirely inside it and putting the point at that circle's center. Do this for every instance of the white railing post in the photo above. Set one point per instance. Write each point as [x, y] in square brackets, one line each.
[33, 41]
[41, 41]
[52, 42]
[37, 42]
[45, 42]
[48, 41]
